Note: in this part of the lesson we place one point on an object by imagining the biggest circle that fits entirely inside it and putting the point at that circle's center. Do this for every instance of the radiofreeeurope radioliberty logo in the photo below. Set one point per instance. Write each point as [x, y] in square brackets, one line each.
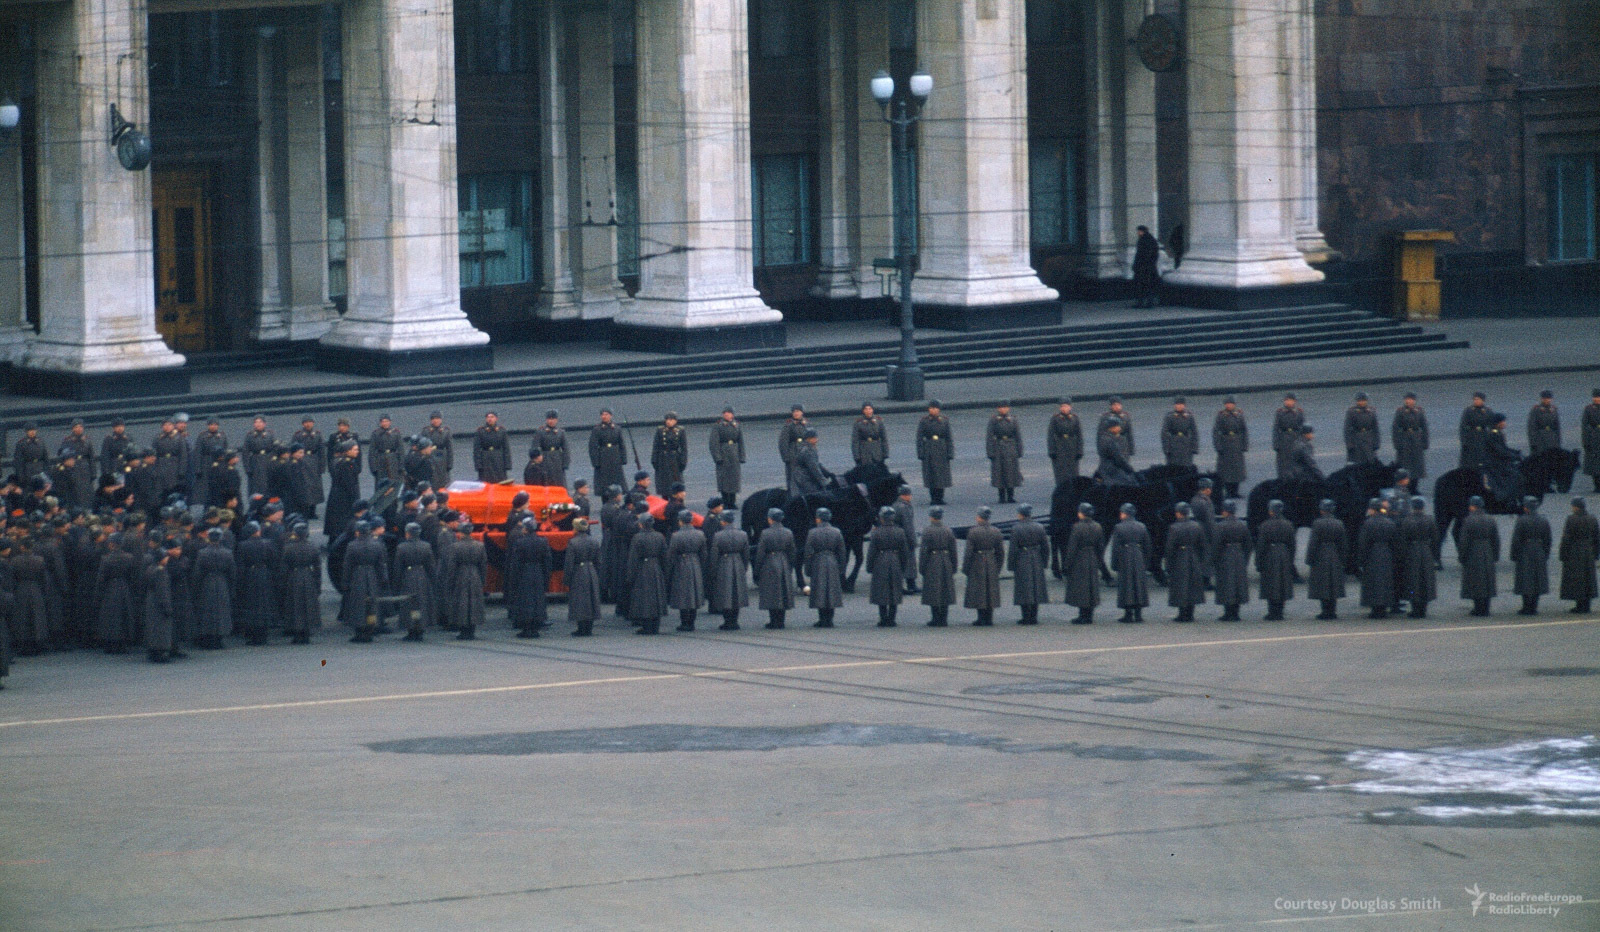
[1519, 903]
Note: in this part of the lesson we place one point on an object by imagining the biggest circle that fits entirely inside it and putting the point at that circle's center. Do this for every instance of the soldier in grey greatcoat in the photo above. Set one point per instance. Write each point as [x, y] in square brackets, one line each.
[669, 451]
[906, 514]
[258, 563]
[1131, 554]
[730, 587]
[1003, 447]
[1476, 422]
[582, 575]
[1530, 554]
[1184, 562]
[774, 569]
[727, 453]
[115, 583]
[1590, 431]
[1326, 553]
[1084, 564]
[1115, 411]
[790, 436]
[302, 585]
[1479, 549]
[528, 565]
[413, 576]
[1286, 424]
[552, 439]
[607, 453]
[1580, 544]
[937, 559]
[824, 557]
[886, 547]
[444, 569]
[1065, 443]
[1299, 462]
[1377, 545]
[491, 450]
[30, 456]
[1180, 436]
[611, 555]
[469, 563]
[1113, 448]
[444, 451]
[83, 468]
[935, 448]
[1409, 433]
[1419, 546]
[1275, 540]
[213, 574]
[647, 576]
[806, 475]
[1544, 424]
[1230, 436]
[386, 456]
[363, 579]
[1231, 562]
[982, 562]
[686, 583]
[1205, 515]
[156, 584]
[869, 441]
[1028, 557]
[1361, 436]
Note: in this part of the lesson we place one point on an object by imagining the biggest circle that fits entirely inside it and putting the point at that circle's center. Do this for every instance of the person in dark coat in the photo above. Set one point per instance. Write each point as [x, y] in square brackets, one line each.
[1131, 554]
[1580, 546]
[1476, 422]
[935, 449]
[537, 472]
[1114, 466]
[774, 568]
[1205, 515]
[305, 483]
[1409, 433]
[145, 483]
[30, 457]
[1003, 447]
[491, 450]
[1231, 561]
[1376, 546]
[981, 564]
[469, 564]
[1478, 546]
[258, 569]
[385, 459]
[66, 481]
[730, 588]
[1027, 558]
[209, 447]
[886, 547]
[1286, 424]
[790, 436]
[1116, 412]
[824, 560]
[315, 445]
[1589, 430]
[1146, 273]
[1419, 545]
[158, 603]
[8, 604]
[223, 482]
[83, 460]
[116, 444]
[647, 596]
[686, 567]
[257, 447]
[363, 580]
[1184, 562]
[806, 475]
[1275, 540]
[528, 566]
[906, 514]
[213, 574]
[1065, 443]
[607, 452]
[627, 525]
[344, 490]
[611, 557]
[421, 465]
[1300, 462]
[30, 617]
[1084, 564]
[115, 583]
[1180, 436]
[1544, 424]
[1361, 437]
[727, 454]
[552, 439]
[413, 576]
[172, 455]
[444, 450]
[302, 585]
[669, 451]
[1531, 540]
[869, 439]
[582, 574]
[1326, 555]
[937, 559]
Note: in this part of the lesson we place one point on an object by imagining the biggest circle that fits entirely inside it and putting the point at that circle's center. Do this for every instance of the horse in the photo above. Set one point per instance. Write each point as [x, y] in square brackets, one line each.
[1350, 488]
[1155, 494]
[1502, 488]
[854, 501]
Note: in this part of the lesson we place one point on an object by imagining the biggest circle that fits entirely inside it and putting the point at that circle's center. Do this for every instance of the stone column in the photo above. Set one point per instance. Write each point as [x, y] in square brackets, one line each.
[873, 149]
[1302, 54]
[696, 276]
[595, 266]
[272, 180]
[1242, 225]
[14, 331]
[404, 298]
[976, 269]
[837, 165]
[96, 270]
[310, 313]
[1120, 145]
[558, 298]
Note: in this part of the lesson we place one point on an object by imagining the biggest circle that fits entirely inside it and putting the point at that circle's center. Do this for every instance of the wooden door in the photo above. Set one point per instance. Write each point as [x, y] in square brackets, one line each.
[183, 258]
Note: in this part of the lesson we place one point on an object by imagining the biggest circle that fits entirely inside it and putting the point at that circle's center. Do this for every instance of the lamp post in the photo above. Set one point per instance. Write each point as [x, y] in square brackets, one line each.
[904, 378]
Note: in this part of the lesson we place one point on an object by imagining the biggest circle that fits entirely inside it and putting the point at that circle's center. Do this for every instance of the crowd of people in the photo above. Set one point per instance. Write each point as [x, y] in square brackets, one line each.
[193, 538]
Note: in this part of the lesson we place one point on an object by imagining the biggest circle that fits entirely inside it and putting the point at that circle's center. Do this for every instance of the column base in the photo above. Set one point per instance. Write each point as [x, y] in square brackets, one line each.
[98, 386]
[380, 364]
[1213, 297]
[682, 341]
[968, 318]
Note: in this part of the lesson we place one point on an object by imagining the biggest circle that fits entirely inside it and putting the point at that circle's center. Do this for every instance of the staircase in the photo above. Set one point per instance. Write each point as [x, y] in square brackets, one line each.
[1279, 334]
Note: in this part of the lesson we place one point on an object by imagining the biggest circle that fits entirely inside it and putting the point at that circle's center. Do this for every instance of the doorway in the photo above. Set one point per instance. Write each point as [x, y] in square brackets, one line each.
[182, 232]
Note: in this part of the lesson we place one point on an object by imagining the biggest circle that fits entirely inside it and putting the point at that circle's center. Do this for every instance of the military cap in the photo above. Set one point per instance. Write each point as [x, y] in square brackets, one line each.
[343, 422]
[1180, 400]
[606, 411]
[580, 484]
[214, 535]
[685, 516]
[1475, 501]
[1289, 396]
[1183, 509]
[552, 414]
[297, 448]
[671, 416]
[1230, 506]
[904, 490]
[1530, 501]
[1361, 396]
[361, 504]
[1595, 393]
[252, 528]
[426, 500]
[1086, 509]
[67, 451]
[1410, 395]
[39, 483]
[385, 417]
[1004, 403]
[1402, 474]
[1480, 396]
[1499, 417]
[1547, 393]
[435, 414]
[1025, 510]
[1275, 507]
[934, 403]
[613, 490]
[118, 422]
[641, 475]
[646, 519]
[30, 425]
[1580, 504]
[1129, 509]
[424, 443]
[728, 518]
[1113, 422]
[155, 536]
[521, 498]
[794, 408]
[1374, 503]
[77, 422]
[984, 511]
[1418, 503]
[936, 512]
[301, 530]
[409, 498]
[1326, 505]
[1229, 400]
[466, 526]
[676, 488]
[774, 514]
[442, 495]
[727, 409]
[810, 434]
[1204, 483]
[713, 503]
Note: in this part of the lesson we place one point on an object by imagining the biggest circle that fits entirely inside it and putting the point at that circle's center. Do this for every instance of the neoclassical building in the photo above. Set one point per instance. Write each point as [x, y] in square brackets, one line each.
[403, 183]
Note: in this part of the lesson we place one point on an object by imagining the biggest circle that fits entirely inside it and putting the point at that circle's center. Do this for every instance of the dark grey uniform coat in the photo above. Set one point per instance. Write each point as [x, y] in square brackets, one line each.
[557, 457]
[1114, 466]
[1580, 543]
[115, 585]
[647, 574]
[364, 578]
[302, 564]
[1476, 422]
[1299, 464]
[1326, 553]
[257, 451]
[172, 461]
[1591, 439]
[886, 547]
[935, 448]
[937, 560]
[1479, 549]
[385, 459]
[1028, 557]
[869, 441]
[1376, 550]
[727, 452]
[1003, 447]
[686, 566]
[1361, 437]
[1544, 428]
[582, 575]
[906, 515]
[613, 557]
[1185, 567]
[825, 556]
[491, 453]
[29, 457]
[1206, 517]
[1409, 434]
[444, 575]
[1286, 424]
[1131, 553]
[1530, 554]
[1065, 446]
[806, 475]
[1419, 537]
[444, 455]
[730, 586]
[258, 566]
[607, 455]
[158, 604]
[1275, 559]
[30, 619]
[1084, 563]
[985, 555]
[1104, 427]
[1232, 562]
[528, 567]
[213, 591]
[790, 436]
[1180, 438]
[775, 556]
[669, 455]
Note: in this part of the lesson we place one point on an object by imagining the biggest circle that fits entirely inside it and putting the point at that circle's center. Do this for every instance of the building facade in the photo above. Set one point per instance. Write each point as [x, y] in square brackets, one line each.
[402, 183]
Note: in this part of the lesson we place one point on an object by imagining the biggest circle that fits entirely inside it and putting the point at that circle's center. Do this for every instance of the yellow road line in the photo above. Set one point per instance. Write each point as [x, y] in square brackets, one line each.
[758, 671]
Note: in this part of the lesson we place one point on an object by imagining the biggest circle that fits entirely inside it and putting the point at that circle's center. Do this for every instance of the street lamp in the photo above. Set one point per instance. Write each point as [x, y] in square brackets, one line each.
[905, 378]
[10, 115]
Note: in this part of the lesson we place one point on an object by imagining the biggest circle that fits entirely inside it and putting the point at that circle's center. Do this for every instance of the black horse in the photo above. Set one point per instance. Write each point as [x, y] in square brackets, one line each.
[1502, 487]
[1350, 488]
[1158, 490]
[854, 501]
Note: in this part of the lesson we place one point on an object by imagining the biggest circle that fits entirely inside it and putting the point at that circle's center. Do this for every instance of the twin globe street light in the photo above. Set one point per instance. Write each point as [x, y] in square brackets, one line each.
[904, 378]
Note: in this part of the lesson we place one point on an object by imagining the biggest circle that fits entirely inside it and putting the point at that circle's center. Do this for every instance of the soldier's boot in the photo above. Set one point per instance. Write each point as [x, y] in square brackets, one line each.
[1379, 612]
[936, 496]
[1530, 605]
[365, 632]
[1127, 616]
[941, 617]
[653, 626]
[911, 585]
[1274, 611]
[824, 618]
[894, 610]
[584, 629]
[1030, 615]
[730, 500]
[1085, 617]
[730, 621]
[1138, 616]
[175, 654]
[116, 647]
[985, 618]
[1185, 614]
[467, 633]
[413, 626]
[1480, 608]
[686, 619]
[1229, 613]
[157, 656]
[1580, 607]
[1328, 613]
[1419, 608]
[886, 616]
[774, 620]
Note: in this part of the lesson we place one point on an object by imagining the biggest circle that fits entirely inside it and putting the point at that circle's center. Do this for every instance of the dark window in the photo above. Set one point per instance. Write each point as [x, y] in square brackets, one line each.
[494, 36]
[782, 28]
[1055, 199]
[192, 50]
[1572, 205]
[1054, 22]
[784, 220]
[496, 244]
